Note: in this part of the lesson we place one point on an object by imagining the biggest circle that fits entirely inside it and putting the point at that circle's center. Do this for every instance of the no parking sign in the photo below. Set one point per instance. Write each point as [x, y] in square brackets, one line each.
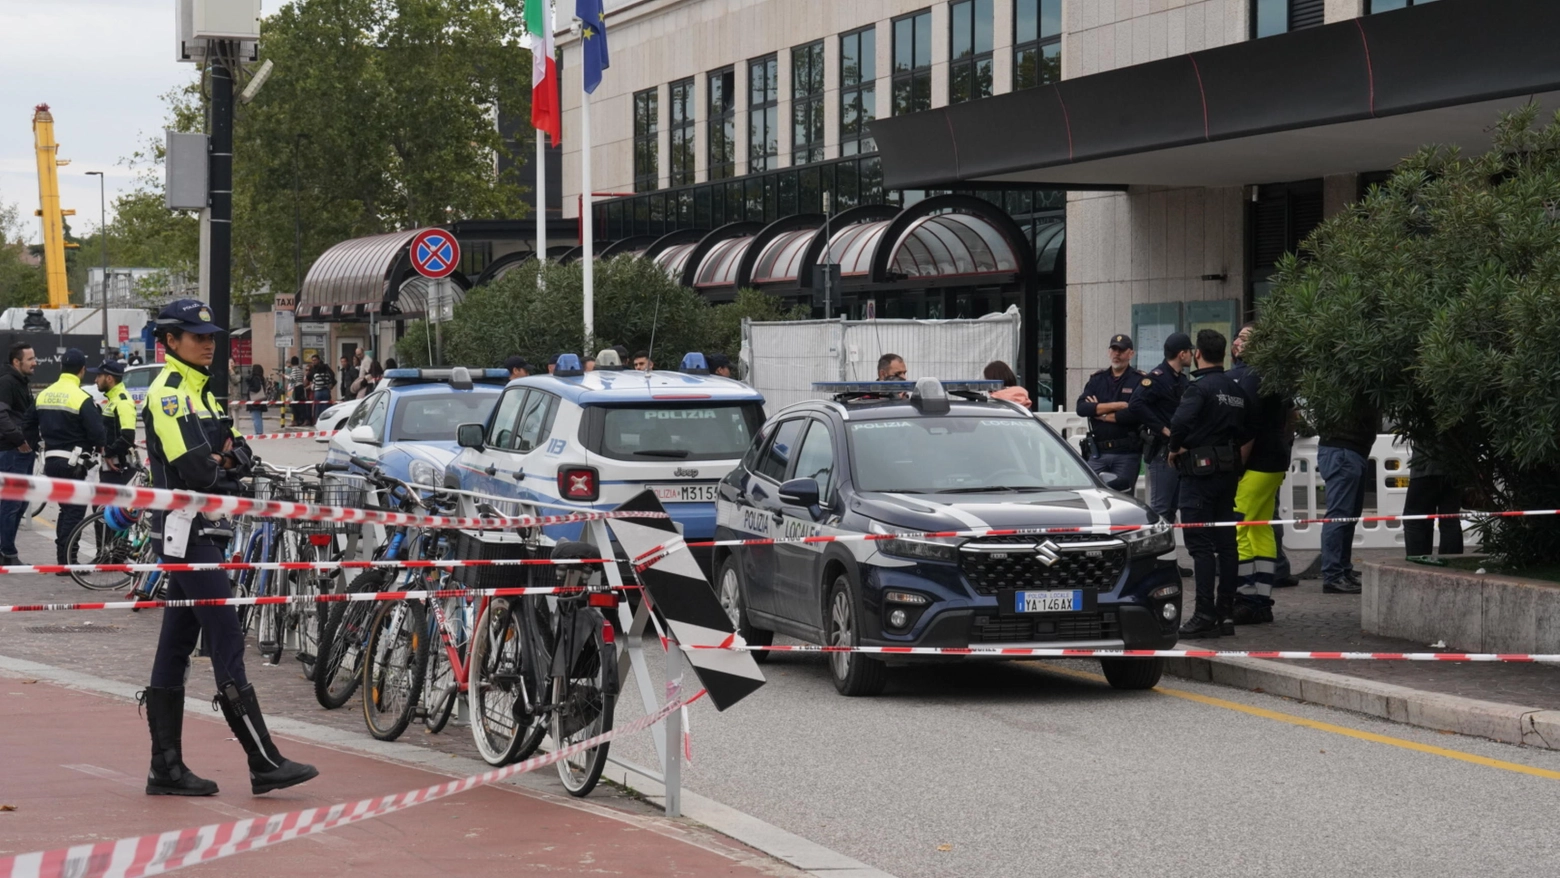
[435, 253]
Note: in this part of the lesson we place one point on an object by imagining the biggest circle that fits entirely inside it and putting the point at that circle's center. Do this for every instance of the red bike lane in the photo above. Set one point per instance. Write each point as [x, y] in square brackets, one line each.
[72, 765]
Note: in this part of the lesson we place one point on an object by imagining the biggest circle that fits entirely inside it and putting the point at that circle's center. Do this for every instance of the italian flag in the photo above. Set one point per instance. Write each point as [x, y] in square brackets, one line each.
[544, 70]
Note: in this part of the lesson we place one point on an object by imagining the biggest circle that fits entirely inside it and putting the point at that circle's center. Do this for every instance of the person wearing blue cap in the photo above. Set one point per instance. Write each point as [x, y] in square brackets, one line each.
[192, 445]
[119, 457]
[72, 431]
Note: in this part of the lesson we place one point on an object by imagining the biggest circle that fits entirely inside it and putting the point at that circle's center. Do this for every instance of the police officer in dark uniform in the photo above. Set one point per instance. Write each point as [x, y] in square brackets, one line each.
[1209, 441]
[1116, 447]
[192, 445]
[119, 457]
[72, 430]
[1153, 405]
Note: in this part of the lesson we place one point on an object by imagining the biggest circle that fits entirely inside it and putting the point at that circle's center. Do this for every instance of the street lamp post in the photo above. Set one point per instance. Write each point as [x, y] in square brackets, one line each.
[103, 233]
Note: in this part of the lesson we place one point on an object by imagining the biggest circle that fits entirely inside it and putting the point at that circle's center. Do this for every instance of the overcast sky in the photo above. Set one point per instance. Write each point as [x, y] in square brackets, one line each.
[101, 66]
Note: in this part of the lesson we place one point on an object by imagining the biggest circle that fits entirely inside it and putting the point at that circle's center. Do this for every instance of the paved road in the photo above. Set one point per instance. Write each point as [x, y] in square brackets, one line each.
[1041, 769]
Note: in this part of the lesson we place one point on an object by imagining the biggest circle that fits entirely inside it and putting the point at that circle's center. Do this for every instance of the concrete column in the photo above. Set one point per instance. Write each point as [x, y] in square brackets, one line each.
[701, 130]
[942, 23]
[1343, 10]
[1339, 192]
[741, 103]
[783, 83]
[663, 139]
[1001, 48]
[831, 97]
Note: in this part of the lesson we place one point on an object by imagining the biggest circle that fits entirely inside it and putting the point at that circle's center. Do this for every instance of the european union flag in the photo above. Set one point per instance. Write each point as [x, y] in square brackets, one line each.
[593, 41]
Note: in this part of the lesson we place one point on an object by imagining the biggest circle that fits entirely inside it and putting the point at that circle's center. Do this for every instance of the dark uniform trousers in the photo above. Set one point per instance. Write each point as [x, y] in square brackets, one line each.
[182, 626]
[1213, 549]
[70, 516]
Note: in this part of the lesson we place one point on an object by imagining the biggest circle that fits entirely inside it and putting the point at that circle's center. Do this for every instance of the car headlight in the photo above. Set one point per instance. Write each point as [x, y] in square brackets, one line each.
[1156, 539]
[424, 473]
[919, 549]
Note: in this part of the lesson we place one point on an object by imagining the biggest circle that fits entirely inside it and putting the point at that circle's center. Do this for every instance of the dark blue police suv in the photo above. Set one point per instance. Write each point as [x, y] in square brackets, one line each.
[930, 456]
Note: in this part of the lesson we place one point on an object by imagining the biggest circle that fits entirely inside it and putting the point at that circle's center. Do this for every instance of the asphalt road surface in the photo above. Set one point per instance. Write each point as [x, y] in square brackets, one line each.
[1040, 768]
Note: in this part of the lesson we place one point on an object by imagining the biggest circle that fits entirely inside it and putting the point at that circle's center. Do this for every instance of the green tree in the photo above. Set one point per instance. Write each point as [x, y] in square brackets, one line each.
[1436, 300]
[21, 282]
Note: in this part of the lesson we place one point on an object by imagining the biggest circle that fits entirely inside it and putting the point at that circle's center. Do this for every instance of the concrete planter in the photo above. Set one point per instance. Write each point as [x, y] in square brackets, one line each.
[1470, 612]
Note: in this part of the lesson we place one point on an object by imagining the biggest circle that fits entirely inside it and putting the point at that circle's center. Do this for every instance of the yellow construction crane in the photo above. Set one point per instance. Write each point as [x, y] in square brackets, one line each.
[54, 243]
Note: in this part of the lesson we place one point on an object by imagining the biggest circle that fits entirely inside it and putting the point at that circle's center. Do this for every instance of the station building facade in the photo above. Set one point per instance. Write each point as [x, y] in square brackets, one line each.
[1108, 166]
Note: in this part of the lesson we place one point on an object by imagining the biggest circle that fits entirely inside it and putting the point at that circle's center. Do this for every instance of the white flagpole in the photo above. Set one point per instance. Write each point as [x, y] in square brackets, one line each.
[541, 196]
[587, 244]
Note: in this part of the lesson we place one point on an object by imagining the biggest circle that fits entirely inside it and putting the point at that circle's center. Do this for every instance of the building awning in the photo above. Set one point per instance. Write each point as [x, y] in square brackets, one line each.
[674, 259]
[1349, 97]
[719, 268]
[366, 276]
[781, 260]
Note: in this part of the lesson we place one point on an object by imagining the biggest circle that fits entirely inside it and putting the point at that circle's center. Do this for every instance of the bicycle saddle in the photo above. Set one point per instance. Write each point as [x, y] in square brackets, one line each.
[571, 550]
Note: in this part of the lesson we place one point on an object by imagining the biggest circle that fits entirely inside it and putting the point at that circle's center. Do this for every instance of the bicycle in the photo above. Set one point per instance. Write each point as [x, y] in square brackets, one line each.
[112, 535]
[547, 665]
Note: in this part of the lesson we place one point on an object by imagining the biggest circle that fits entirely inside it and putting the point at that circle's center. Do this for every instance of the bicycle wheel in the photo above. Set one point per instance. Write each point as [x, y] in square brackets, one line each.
[244, 582]
[501, 722]
[584, 703]
[94, 542]
[303, 617]
[441, 690]
[339, 665]
[271, 619]
[397, 658]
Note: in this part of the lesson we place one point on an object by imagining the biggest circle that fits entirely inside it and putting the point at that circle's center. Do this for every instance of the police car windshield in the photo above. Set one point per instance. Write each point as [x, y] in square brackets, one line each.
[433, 417]
[712, 431]
[961, 455]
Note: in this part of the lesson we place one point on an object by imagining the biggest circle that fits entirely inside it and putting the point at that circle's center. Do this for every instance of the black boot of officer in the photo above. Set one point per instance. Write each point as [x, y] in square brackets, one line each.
[169, 776]
[268, 768]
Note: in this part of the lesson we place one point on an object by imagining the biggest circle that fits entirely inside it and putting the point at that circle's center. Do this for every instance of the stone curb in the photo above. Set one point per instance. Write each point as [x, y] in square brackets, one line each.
[1506, 723]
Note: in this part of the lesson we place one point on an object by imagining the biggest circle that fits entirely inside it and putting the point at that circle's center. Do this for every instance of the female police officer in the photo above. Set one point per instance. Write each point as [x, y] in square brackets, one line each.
[192, 445]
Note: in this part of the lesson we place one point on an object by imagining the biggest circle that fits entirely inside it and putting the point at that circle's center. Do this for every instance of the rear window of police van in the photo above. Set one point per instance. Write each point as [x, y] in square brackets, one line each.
[703, 431]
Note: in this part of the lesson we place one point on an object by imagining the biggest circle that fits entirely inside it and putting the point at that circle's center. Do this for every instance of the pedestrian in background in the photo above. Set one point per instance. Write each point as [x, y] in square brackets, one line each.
[1342, 458]
[517, 366]
[348, 374]
[1271, 425]
[119, 455]
[891, 367]
[1432, 489]
[321, 380]
[254, 388]
[1114, 444]
[16, 393]
[1153, 405]
[996, 370]
[1209, 442]
[299, 393]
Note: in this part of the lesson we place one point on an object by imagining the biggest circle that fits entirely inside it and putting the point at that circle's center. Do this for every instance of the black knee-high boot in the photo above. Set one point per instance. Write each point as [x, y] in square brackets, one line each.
[268, 768]
[169, 776]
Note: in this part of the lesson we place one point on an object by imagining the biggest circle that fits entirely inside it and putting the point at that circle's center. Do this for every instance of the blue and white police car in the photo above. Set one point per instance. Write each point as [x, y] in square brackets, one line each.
[928, 457]
[592, 440]
[407, 426]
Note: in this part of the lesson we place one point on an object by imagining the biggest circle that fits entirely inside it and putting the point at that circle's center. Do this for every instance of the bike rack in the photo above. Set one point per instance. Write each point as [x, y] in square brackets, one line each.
[631, 656]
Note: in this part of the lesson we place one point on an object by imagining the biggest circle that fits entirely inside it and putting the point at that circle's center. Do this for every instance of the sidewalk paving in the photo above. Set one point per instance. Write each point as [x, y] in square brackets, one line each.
[74, 772]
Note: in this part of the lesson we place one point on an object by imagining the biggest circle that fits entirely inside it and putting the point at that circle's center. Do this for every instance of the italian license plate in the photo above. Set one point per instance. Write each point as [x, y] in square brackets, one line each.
[684, 493]
[1048, 601]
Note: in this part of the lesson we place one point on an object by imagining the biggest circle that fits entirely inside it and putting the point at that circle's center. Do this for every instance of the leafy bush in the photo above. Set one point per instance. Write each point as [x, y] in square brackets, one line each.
[1436, 299]
[635, 304]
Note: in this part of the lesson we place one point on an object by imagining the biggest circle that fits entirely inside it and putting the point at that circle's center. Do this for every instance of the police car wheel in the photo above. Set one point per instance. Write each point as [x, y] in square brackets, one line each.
[854, 674]
[729, 592]
[1126, 673]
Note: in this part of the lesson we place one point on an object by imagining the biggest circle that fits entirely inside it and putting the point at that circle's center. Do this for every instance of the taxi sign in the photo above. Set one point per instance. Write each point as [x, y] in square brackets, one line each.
[435, 253]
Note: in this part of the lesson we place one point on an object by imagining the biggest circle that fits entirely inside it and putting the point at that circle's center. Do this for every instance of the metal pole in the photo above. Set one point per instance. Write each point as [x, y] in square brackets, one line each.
[221, 198]
[103, 233]
[541, 198]
[828, 260]
[587, 223]
[674, 734]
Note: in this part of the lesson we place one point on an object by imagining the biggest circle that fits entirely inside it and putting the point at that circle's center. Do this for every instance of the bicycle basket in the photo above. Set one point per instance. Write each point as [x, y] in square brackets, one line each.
[491, 546]
[345, 492]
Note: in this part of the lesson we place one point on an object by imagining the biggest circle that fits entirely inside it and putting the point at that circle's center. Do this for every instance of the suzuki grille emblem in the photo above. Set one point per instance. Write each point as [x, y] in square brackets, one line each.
[1048, 552]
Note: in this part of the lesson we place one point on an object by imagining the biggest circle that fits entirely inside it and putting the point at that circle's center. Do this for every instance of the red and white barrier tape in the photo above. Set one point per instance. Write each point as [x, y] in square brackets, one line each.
[1040, 652]
[167, 851]
[305, 434]
[269, 600]
[315, 566]
[43, 489]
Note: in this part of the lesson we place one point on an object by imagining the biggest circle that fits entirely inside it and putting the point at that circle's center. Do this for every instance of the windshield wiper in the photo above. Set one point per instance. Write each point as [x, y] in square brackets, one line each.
[990, 489]
[664, 452]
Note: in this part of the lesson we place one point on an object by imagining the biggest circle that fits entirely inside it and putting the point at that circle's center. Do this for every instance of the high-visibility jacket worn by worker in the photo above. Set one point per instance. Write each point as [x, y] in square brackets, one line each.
[185, 427]
[119, 417]
[68, 418]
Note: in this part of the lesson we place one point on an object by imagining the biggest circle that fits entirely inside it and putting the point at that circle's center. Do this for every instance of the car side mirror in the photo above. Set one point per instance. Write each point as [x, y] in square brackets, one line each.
[800, 492]
[364, 434]
[469, 436]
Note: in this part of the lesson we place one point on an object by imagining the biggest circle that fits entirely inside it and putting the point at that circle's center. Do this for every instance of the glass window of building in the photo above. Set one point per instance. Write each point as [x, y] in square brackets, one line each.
[681, 123]
[969, 70]
[913, 63]
[763, 113]
[722, 143]
[858, 90]
[646, 105]
[1272, 17]
[1374, 6]
[807, 103]
[1037, 43]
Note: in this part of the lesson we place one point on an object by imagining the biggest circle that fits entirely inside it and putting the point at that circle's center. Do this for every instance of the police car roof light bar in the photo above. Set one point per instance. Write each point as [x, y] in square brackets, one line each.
[693, 363]
[568, 366]
[402, 377]
[930, 397]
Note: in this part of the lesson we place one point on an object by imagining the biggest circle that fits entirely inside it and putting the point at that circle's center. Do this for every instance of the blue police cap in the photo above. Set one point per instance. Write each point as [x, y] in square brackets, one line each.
[72, 361]
[190, 315]
[115, 368]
